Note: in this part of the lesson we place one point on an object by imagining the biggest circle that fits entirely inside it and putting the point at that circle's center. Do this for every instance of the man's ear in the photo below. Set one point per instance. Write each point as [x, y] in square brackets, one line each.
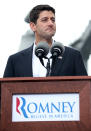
[33, 26]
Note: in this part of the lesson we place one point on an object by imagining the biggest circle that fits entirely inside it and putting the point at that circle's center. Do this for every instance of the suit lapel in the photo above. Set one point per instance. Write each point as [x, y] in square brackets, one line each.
[31, 53]
[28, 57]
[57, 66]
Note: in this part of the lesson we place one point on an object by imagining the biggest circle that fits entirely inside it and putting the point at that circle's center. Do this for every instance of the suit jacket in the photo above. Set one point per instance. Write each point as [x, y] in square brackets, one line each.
[20, 64]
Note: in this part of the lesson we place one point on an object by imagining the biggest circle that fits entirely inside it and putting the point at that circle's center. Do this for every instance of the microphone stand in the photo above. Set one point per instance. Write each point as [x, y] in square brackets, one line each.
[48, 68]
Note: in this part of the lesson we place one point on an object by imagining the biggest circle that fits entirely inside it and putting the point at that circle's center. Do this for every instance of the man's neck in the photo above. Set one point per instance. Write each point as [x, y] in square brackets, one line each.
[48, 41]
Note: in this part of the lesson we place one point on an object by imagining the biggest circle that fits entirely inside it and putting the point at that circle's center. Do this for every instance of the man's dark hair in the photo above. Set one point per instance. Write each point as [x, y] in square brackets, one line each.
[34, 13]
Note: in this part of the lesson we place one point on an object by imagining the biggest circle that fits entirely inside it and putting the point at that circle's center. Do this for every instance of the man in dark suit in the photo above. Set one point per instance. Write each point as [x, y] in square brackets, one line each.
[26, 64]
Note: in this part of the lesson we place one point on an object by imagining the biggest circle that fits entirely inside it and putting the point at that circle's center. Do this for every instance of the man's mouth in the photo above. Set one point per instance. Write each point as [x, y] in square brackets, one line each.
[49, 29]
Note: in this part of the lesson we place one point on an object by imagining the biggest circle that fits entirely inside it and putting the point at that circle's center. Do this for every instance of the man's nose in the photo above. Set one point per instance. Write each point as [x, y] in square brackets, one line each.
[50, 22]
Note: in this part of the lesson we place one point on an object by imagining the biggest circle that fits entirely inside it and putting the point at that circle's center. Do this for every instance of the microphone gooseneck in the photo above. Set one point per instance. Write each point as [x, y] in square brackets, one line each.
[48, 67]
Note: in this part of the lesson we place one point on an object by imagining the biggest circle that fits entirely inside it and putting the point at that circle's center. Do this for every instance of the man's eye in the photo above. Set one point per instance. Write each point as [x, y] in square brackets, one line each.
[44, 20]
[53, 19]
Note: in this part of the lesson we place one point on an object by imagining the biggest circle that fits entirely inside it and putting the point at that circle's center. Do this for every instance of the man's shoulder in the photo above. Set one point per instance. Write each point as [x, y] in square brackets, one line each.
[71, 50]
[23, 52]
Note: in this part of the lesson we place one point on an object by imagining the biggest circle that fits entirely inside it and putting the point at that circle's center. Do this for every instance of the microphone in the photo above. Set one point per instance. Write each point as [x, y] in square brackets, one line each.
[42, 50]
[57, 49]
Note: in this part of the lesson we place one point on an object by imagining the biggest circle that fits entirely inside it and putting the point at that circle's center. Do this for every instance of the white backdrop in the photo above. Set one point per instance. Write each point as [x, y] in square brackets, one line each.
[72, 17]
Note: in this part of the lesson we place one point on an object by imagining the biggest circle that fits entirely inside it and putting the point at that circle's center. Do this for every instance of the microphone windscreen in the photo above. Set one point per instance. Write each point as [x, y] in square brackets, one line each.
[57, 46]
[42, 47]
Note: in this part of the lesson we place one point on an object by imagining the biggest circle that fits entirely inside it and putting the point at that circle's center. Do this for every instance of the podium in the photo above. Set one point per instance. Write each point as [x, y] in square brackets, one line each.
[48, 86]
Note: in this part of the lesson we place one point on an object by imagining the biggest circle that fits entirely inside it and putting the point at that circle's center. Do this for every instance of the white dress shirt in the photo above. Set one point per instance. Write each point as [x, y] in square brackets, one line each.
[38, 69]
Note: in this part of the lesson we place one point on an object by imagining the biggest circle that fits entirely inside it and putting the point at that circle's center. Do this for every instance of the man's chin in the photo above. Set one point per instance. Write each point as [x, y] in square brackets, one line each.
[50, 35]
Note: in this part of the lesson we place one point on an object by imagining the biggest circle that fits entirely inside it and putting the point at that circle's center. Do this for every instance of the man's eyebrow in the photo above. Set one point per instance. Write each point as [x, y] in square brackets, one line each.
[44, 17]
[47, 17]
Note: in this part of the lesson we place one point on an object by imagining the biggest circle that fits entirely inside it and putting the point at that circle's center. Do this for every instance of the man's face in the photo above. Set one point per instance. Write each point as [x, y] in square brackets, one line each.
[45, 27]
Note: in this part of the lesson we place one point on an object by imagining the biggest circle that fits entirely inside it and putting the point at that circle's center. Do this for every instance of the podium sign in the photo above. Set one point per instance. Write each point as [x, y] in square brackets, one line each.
[45, 107]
